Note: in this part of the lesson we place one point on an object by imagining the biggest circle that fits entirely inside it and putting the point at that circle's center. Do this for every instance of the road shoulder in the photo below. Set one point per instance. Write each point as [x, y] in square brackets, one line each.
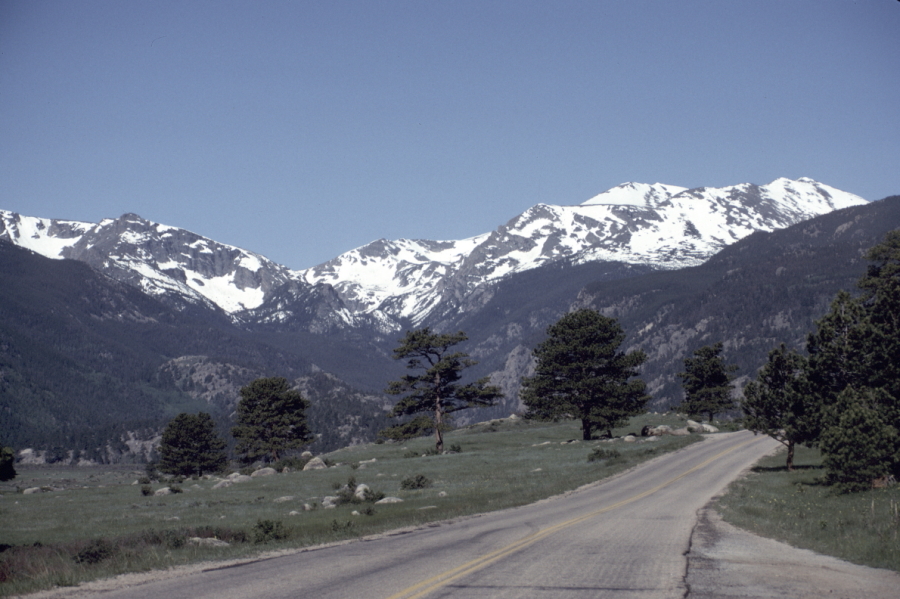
[727, 562]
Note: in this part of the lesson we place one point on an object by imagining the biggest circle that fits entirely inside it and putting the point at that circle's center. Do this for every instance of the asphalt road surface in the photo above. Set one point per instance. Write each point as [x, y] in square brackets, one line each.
[624, 537]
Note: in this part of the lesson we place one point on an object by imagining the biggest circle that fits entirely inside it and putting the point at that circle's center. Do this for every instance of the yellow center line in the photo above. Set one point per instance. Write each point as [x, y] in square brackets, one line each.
[444, 578]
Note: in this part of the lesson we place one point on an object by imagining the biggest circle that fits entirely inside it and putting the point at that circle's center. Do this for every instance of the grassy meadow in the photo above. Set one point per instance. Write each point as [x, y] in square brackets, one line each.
[95, 522]
[798, 509]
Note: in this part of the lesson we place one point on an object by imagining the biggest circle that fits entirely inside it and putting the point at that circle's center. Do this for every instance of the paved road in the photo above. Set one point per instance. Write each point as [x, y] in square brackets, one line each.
[625, 537]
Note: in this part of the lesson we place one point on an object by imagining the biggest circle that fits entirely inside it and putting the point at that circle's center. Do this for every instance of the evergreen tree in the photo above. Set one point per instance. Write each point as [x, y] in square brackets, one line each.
[855, 372]
[435, 390]
[861, 446]
[190, 445]
[7, 464]
[581, 374]
[707, 382]
[778, 403]
[271, 419]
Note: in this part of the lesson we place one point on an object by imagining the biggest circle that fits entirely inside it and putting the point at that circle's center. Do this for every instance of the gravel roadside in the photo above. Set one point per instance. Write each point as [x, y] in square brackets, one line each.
[726, 562]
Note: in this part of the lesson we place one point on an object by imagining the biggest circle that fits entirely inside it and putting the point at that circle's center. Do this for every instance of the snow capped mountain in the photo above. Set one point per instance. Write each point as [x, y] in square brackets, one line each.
[663, 226]
[159, 259]
[388, 284]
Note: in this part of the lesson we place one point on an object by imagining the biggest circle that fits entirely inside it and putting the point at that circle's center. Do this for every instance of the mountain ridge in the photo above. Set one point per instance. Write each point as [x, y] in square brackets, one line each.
[389, 285]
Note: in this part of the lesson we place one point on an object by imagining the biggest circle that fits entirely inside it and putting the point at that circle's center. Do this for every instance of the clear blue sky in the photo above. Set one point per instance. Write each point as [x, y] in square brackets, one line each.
[301, 130]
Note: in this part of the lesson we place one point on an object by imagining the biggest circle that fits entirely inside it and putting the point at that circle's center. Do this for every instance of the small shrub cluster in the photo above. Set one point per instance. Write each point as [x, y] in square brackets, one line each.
[269, 530]
[94, 552]
[601, 453]
[419, 481]
[347, 493]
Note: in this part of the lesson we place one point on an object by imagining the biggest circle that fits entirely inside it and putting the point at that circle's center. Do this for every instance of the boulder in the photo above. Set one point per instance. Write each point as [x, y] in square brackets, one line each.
[442, 494]
[241, 478]
[163, 491]
[284, 499]
[708, 428]
[389, 500]
[307, 507]
[329, 502]
[662, 429]
[306, 454]
[629, 438]
[31, 491]
[315, 464]
[223, 484]
[293, 513]
[360, 492]
[263, 472]
[680, 432]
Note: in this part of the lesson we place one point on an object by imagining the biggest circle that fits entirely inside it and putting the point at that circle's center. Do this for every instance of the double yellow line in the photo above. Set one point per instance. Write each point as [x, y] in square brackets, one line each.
[444, 578]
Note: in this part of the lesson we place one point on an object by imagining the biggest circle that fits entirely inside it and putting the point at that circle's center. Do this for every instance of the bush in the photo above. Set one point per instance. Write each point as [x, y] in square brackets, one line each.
[419, 481]
[601, 453]
[146, 490]
[269, 530]
[96, 551]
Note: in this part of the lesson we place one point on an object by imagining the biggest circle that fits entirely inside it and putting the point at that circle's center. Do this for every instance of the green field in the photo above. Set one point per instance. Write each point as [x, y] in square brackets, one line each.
[796, 508]
[99, 523]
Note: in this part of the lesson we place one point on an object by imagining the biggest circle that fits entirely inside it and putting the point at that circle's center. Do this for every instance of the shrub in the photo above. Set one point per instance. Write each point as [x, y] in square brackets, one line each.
[601, 453]
[455, 448]
[146, 490]
[269, 530]
[174, 539]
[96, 551]
[419, 481]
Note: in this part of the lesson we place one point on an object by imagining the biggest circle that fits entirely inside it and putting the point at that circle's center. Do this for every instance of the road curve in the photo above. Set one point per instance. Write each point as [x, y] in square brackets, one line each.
[624, 537]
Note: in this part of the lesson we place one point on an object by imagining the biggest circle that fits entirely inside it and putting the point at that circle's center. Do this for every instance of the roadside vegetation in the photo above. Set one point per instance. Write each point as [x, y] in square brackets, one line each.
[798, 507]
[98, 523]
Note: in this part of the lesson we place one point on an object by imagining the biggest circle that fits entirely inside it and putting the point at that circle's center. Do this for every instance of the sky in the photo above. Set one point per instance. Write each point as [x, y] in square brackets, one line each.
[301, 130]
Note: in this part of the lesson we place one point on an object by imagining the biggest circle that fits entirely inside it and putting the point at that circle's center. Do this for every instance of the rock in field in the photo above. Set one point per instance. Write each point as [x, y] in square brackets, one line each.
[315, 464]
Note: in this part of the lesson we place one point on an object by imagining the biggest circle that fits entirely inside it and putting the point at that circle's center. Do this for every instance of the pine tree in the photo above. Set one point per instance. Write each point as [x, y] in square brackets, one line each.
[707, 382]
[778, 403]
[581, 374]
[436, 390]
[855, 372]
[191, 446]
[271, 419]
[861, 446]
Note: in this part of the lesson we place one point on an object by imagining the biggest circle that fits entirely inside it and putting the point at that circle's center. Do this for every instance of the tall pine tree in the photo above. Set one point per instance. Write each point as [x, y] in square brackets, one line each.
[435, 391]
[191, 446]
[581, 374]
[271, 419]
[707, 383]
[778, 403]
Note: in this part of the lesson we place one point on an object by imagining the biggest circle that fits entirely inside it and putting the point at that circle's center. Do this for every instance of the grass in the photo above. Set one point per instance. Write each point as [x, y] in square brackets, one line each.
[100, 514]
[798, 509]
